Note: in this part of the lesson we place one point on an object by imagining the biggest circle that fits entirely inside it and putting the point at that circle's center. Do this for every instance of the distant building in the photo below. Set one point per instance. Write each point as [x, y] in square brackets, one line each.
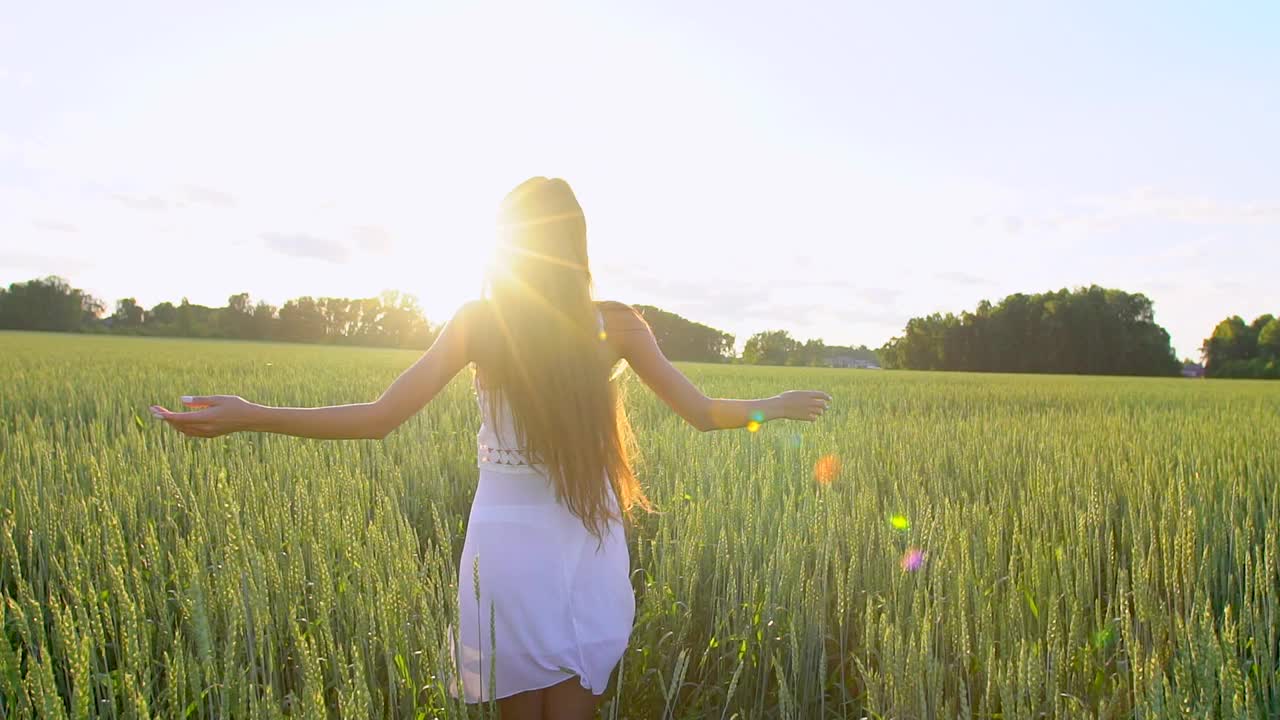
[1192, 370]
[849, 361]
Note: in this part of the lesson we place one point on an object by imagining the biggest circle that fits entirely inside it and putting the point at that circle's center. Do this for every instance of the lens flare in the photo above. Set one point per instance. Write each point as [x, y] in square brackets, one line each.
[757, 416]
[603, 335]
[753, 426]
[900, 523]
[826, 469]
[912, 559]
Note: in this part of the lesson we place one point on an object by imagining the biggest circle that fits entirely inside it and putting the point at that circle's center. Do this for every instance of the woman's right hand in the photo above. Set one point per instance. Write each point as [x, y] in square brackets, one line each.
[211, 415]
[807, 405]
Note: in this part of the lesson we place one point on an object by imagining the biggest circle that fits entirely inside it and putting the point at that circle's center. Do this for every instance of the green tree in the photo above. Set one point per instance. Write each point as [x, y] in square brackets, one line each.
[301, 320]
[128, 314]
[197, 320]
[1237, 350]
[367, 316]
[48, 303]
[264, 321]
[338, 317]
[91, 310]
[403, 322]
[1259, 323]
[771, 347]
[811, 353]
[682, 339]
[162, 317]
[236, 319]
[1091, 330]
[1228, 346]
[1269, 341]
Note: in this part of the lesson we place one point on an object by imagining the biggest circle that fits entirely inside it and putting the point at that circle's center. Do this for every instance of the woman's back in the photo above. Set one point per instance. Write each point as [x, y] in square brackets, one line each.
[557, 411]
[523, 541]
[498, 439]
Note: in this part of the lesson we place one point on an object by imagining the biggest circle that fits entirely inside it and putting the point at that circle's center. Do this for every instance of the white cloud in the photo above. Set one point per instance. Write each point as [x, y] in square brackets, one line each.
[25, 266]
[208, 196]
[306, 246]
[373, 239]
[16, 78]
[55, 225]
[141, 202]
[1147, 204]
[956, 277]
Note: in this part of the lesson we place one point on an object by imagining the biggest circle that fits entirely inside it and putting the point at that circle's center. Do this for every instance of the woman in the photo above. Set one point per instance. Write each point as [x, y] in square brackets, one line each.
[545, 536]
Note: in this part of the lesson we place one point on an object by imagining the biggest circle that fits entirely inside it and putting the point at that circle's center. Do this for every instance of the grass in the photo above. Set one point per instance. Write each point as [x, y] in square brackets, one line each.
[939, 545]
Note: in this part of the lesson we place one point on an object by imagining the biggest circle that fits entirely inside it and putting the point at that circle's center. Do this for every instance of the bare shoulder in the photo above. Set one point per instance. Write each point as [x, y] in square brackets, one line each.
[620, 317]
[469, 326]
[625, 329]
[472, 312]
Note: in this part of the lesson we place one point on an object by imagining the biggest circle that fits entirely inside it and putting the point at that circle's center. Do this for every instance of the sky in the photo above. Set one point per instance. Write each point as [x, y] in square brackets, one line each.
[832, 169]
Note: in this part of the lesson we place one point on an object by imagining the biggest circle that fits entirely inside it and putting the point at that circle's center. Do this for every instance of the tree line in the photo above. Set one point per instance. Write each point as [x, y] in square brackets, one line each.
[682, 339]
[1237, 350]
[1093, 331]
[777, 347]
[392, 319]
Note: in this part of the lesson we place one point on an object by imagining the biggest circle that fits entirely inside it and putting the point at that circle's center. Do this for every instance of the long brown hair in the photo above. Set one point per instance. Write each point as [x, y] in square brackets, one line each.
[545, 357]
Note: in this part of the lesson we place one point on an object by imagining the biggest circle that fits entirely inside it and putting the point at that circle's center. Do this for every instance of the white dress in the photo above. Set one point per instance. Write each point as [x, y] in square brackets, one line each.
[559, 602]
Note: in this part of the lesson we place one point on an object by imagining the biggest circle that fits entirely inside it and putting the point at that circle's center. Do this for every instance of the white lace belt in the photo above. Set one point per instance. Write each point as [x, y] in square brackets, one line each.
[503, 460]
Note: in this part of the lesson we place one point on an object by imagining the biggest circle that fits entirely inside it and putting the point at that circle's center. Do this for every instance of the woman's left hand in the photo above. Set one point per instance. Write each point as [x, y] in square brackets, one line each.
[213, 415]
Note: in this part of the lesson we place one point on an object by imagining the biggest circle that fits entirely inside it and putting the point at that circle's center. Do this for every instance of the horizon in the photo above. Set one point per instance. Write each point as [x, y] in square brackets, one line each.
[832, 171]
[436, 325]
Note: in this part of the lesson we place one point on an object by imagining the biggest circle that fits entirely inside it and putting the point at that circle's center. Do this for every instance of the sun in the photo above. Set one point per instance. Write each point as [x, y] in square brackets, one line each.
[442, 271]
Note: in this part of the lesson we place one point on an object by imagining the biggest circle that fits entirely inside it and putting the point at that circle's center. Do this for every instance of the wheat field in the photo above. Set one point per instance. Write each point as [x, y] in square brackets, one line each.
[939, 545]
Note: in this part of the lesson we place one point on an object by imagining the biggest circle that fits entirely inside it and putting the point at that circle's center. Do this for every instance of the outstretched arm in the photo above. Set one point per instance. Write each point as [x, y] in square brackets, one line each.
[416, 386]
[639, 348]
